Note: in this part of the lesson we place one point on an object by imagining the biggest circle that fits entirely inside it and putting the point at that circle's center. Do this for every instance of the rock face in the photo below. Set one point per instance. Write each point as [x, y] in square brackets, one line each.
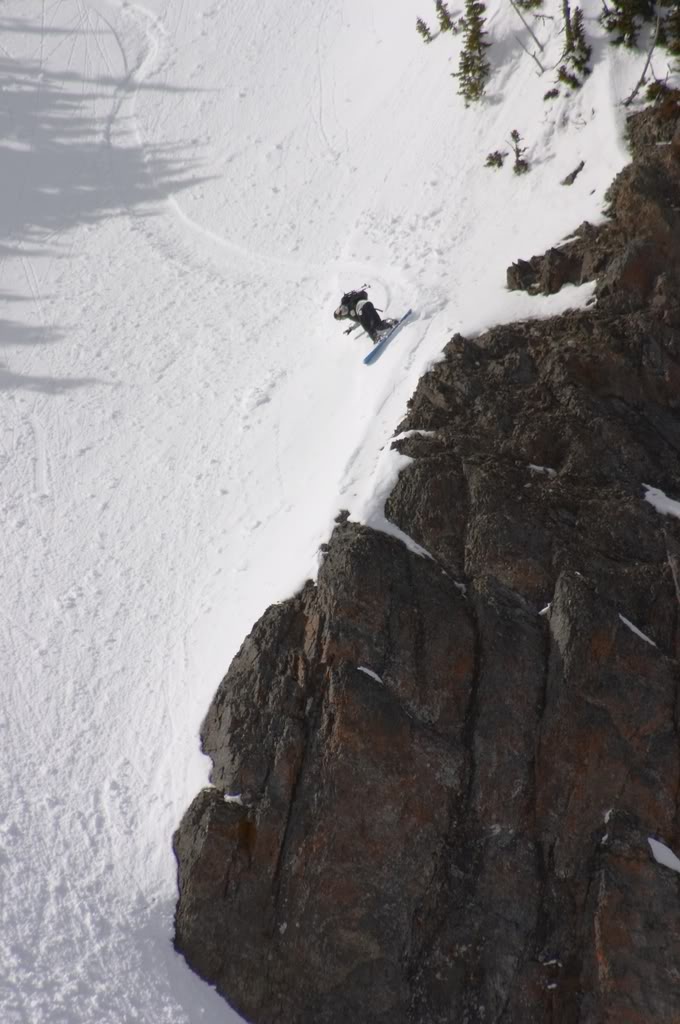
[449, 767]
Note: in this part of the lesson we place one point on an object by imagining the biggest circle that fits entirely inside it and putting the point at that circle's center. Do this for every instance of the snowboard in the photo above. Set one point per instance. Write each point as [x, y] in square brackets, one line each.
[386, 338]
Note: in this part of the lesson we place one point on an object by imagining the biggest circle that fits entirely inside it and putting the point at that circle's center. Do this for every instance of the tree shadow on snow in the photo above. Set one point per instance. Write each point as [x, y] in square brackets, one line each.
[520, 44]
[60, 166]
[10, 381]
[63, 167]
[16, 332]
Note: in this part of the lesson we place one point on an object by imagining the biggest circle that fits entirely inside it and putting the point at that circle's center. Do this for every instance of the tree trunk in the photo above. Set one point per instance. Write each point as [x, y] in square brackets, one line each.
[568, 33]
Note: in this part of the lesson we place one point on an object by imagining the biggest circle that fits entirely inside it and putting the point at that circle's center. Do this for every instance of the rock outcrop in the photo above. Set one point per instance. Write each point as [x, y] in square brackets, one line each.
[435, 778]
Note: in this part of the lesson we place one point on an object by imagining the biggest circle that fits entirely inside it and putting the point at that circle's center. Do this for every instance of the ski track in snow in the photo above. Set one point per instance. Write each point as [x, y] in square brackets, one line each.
[188, 189]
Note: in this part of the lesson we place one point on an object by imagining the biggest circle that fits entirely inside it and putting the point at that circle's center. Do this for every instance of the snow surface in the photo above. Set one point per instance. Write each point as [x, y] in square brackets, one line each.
[664, 855]
[187, 189]
[634, 629]
[661, 502]
[547, 470]
[372, 492]
[369, 672]
[233, 798]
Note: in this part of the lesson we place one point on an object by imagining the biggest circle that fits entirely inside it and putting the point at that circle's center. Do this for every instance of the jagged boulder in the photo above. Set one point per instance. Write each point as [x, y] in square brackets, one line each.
[341, 725]
[628, 253]
[547, 274]
[435, 776]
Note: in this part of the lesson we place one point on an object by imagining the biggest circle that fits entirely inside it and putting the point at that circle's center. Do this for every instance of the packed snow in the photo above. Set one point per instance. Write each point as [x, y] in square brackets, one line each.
[664, 855]
[369, 672]
[371, 492]
[634, 629]
[188, 187]
[661, 502]
[233, 798]
[547, 470]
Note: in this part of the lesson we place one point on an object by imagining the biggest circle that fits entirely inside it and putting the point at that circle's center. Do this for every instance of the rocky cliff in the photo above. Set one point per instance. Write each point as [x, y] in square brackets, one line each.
[449, 767]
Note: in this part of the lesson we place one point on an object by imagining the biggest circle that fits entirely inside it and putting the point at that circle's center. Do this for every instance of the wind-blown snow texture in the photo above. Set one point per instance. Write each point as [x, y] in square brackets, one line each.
[187, 189]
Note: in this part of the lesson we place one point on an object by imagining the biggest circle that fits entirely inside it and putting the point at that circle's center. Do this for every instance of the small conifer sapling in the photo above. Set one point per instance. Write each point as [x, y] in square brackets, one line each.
[495, 159]
[520, 165]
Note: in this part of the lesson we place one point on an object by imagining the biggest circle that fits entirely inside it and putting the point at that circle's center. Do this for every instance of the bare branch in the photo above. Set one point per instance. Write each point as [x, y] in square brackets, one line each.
[637, 88]
[526, 25]
[532, 55]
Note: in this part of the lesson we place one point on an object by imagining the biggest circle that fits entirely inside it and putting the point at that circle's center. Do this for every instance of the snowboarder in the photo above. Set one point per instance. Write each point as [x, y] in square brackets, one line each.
[357, 306]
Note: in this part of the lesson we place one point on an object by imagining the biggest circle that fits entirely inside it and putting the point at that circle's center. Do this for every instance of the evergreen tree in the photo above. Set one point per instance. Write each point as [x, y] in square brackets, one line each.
[528, 5]
[473, 68]
[443, 16]
[568, 33]
[671, 28]
[624, 18]
[576, 49]
[423, 30]
[580, 52]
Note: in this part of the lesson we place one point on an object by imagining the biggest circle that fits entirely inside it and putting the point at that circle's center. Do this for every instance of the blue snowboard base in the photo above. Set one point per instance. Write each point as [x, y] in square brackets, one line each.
[386, 338]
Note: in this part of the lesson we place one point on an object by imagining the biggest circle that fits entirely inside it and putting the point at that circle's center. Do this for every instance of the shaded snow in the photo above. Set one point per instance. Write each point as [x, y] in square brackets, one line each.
[414, 433]
[369, 672]
[663, 855]
[368, 506]
[634, 629]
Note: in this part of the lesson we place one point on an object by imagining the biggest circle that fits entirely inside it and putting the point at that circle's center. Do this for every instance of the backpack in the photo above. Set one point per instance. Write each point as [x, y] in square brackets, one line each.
[350, 299]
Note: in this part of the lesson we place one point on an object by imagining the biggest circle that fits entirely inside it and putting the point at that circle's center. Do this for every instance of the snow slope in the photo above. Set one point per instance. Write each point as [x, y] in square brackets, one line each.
[187, 188]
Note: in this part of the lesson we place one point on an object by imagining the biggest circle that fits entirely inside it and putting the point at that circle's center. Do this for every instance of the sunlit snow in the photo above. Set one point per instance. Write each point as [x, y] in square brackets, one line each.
[661, 502]
[187, 190]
